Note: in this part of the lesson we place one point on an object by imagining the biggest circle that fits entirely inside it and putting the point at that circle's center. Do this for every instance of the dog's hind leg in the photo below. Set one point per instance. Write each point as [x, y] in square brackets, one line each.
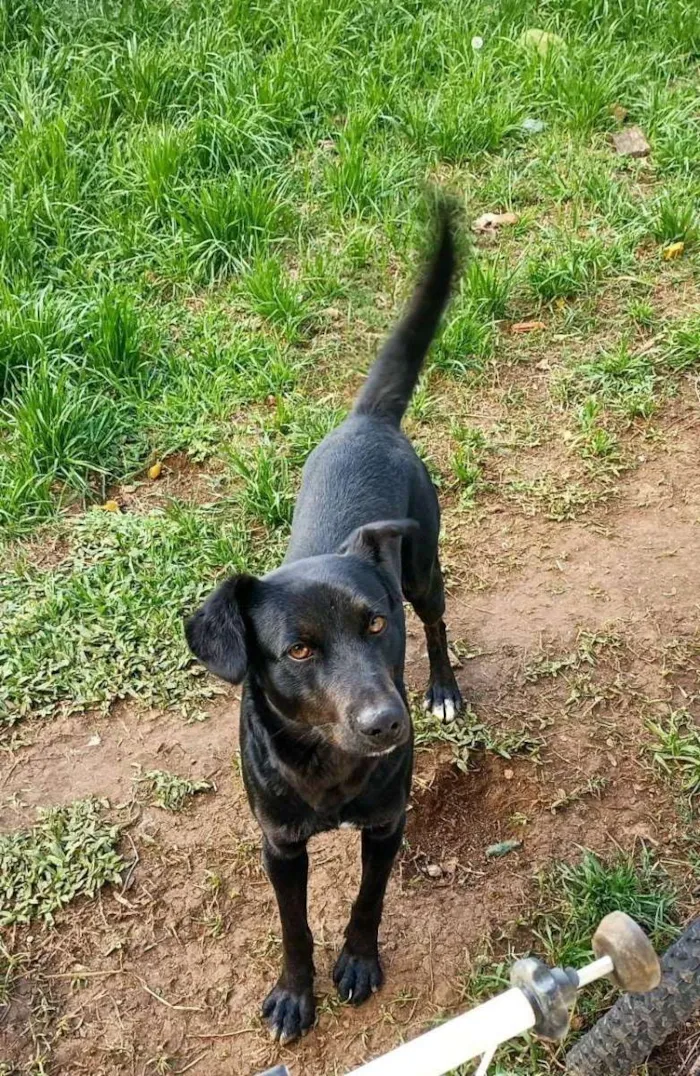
[443, 697]
[357, 972]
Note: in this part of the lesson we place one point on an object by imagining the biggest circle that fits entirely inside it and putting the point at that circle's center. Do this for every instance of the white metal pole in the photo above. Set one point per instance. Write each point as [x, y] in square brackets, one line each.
[465, 1037]
[597, 970]
[470, 1035]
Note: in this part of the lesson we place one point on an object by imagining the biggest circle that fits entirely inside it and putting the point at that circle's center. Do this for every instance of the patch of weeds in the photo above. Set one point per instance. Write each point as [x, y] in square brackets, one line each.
[305, 425]
[467, 461]
[567, 271]
[488, 288]
[607, 194]
[226, 222]
[422, 405]
[621, 378]
[76, 371]
[575, 897]
[463, 118]
[595, 442]
[486, 978]
[466, 737]
[592, 787]
[361, 180]
[71, 852]
[63, 435]
[675, 749]
[560, 497]
[272, 294]
[642, 312]
[684, 350]
[589, 645]
[673, 218]
[465, 343]
[213, 919]
[600, 445]
[11, 965]
[106, 623]
[170, 791]
[64, 431]
[267, 494]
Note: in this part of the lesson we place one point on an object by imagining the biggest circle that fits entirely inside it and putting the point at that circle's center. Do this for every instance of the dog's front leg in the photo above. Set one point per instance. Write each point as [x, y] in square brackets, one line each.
[357, 972]
[289, 1008]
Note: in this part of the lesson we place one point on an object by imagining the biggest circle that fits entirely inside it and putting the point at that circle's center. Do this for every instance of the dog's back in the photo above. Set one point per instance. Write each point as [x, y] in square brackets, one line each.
[367, 469]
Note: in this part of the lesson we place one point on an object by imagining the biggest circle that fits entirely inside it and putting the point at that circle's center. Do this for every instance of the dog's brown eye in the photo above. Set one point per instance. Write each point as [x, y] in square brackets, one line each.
[377, 625]
[300, 651]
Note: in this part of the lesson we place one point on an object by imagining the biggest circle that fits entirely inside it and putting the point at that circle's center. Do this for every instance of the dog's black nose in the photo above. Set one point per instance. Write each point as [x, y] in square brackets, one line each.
[382, 725]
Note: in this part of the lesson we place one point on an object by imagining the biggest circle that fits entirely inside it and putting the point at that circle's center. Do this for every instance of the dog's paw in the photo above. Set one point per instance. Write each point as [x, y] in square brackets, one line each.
[356, 977]
[443, 700]
[289, 1013]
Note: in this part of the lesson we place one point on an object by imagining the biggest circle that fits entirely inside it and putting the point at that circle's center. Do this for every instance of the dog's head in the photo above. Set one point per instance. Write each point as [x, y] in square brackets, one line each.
[324, 638]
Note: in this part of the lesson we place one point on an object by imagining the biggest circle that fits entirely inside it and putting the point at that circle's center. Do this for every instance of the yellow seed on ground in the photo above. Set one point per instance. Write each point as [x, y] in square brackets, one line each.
[110, 506]
[155, 471]
[674, 251]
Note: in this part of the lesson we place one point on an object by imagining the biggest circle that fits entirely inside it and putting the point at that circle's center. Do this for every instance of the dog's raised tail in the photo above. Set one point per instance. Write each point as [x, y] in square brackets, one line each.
[395, 372]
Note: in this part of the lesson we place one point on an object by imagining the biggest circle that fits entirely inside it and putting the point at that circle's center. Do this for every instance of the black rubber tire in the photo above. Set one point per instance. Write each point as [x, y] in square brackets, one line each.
[622, 1039]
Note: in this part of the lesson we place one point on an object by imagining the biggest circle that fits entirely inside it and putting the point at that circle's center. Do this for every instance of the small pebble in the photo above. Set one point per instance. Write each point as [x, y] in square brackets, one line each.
[531, 125]
[503, 848]
[631, 142]
[541, 41]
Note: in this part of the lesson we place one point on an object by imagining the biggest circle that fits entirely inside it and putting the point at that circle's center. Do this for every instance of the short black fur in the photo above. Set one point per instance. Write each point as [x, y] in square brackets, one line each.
[326, 737]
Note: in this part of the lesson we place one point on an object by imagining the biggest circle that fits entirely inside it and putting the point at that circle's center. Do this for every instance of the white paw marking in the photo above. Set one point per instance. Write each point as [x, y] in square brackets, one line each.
[445, 711]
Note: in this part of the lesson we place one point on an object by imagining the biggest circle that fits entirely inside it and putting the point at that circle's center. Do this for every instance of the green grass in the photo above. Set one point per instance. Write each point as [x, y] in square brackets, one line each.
[70, 852]
[256, 157]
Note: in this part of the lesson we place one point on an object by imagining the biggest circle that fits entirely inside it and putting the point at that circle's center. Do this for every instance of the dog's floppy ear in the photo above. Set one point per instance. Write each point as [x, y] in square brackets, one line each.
[216, 633]
[376, 542]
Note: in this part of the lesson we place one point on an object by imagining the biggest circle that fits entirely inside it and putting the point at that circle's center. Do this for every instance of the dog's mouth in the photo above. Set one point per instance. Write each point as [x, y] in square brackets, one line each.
[386, 750]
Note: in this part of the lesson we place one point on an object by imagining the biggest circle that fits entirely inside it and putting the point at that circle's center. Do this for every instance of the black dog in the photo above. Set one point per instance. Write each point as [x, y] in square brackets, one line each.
[326, 736]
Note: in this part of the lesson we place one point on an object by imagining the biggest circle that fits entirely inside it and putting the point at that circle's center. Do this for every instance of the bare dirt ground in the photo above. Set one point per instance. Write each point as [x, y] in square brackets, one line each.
[167, 974]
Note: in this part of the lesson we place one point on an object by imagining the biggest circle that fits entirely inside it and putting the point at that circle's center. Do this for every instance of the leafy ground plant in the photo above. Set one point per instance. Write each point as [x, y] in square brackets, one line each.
[675, 749]
[171, 791]
[106, 622]
[468, 737]
[72, 851]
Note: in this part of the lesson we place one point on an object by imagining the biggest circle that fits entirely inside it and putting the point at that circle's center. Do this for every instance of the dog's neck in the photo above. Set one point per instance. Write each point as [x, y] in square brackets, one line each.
[320, 773]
